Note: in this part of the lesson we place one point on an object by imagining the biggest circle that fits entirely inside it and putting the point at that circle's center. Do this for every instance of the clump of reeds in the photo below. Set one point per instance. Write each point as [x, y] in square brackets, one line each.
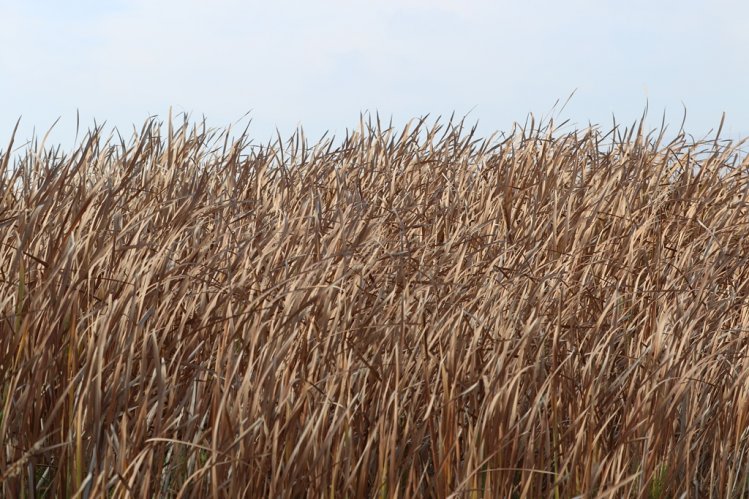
[404, 313]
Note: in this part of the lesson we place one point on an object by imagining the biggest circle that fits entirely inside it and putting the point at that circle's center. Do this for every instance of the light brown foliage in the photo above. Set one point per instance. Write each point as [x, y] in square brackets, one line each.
[410, 313]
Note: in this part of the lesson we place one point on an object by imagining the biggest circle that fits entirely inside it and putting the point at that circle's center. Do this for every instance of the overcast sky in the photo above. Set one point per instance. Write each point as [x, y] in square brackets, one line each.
[321, 63]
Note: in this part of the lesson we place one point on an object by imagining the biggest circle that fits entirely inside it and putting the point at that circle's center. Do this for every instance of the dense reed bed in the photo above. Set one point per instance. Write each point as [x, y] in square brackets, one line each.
[400, 313]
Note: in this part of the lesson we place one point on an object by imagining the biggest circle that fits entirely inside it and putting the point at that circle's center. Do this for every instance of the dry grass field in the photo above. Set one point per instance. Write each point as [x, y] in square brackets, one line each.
[399, 313]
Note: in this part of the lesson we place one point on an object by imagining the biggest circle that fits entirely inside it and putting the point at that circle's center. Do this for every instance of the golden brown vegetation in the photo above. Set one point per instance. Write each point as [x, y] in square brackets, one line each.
[411, 313]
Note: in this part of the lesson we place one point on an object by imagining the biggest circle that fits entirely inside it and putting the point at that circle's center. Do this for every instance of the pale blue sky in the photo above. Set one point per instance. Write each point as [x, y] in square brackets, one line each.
[320, 63]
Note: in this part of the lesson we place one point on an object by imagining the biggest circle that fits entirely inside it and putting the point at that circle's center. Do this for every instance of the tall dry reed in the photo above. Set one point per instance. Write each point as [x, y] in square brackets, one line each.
[403, 313]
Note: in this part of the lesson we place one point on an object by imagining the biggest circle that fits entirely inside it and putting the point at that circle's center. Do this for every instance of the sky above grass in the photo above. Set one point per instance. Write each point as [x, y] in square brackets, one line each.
[320, 64]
